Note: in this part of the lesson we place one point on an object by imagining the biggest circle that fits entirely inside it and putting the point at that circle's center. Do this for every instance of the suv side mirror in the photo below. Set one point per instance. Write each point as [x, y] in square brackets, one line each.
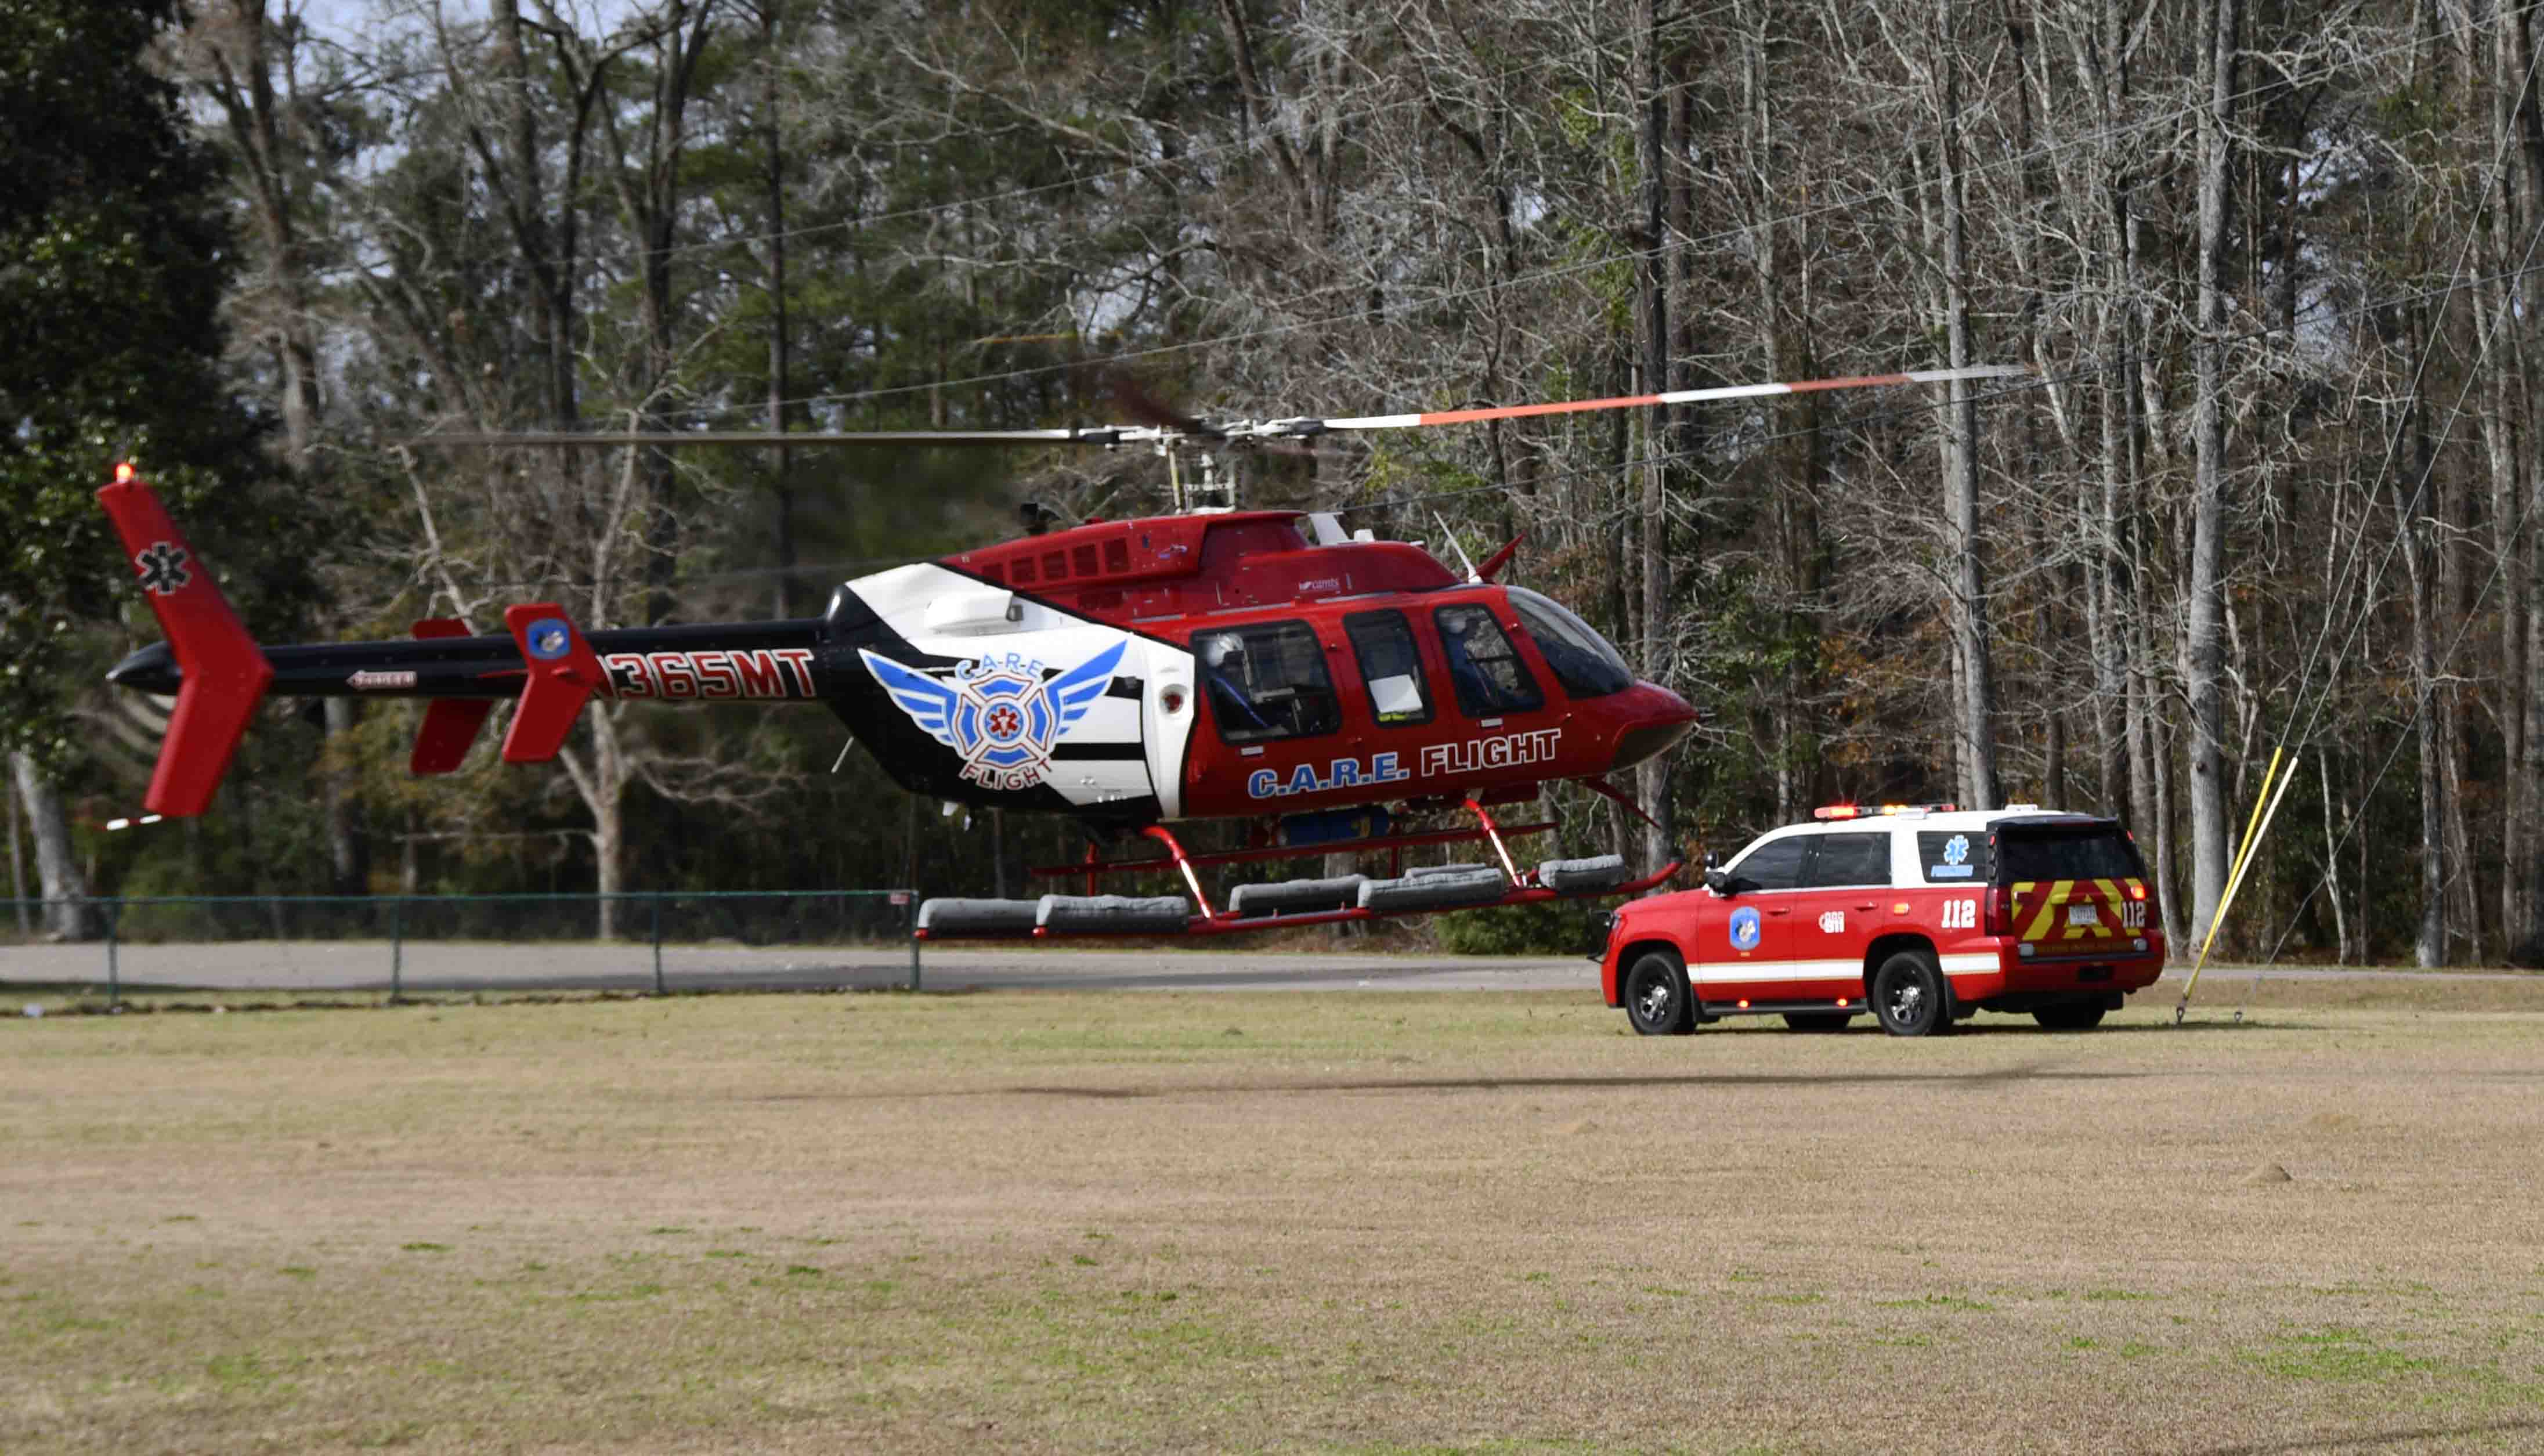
[1718, 882]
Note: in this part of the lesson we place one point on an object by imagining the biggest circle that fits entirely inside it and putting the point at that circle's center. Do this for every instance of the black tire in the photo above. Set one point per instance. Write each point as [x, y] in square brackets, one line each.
[1911, 995]
[1818, 1020]
[2071, 1015]
[1656, 995]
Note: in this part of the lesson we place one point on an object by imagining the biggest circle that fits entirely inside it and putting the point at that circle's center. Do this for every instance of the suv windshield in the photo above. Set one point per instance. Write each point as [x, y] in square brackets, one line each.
[2097, 851]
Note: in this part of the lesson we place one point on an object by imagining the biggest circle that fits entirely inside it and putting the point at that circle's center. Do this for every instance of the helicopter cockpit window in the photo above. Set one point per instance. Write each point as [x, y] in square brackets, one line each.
[1266, 681]
[1392, 667]
[1582, 660]
[1485, 670]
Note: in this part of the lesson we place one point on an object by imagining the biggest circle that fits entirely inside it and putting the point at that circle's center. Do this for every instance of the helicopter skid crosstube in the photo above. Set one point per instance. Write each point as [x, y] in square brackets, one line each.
[1232, 925]
[1161, 863]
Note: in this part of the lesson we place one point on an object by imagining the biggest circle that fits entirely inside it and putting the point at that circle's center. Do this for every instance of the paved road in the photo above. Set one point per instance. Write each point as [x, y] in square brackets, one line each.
[449, 966]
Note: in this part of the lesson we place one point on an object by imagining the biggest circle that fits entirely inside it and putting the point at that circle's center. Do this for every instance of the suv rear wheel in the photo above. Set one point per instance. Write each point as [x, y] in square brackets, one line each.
[1911, 995]
[1657, 998]
[2072, 1015]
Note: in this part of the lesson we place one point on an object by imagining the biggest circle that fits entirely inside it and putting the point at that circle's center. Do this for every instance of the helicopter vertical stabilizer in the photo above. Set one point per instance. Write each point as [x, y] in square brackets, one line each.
[223, 671]
[563, 674]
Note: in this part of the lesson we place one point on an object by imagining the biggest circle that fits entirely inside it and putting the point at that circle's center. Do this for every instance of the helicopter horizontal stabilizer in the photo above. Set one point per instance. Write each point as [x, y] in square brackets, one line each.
[223, 671]
[563, 674]
[450, 724]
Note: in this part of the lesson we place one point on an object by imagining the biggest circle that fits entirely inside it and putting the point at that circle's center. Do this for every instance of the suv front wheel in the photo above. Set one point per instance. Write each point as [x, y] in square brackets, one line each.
[1911, 995]
[1657, 998]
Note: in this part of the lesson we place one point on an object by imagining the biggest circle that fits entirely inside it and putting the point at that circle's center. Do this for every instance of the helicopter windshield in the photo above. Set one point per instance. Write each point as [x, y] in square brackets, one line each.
[1582, 660]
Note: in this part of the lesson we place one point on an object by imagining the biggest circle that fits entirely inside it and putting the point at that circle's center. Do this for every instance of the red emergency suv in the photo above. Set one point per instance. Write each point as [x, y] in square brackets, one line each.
[1922, 916]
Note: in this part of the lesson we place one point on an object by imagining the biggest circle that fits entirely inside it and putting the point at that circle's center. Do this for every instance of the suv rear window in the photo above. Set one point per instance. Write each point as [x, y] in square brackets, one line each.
[1953, 856]
[2100, 852]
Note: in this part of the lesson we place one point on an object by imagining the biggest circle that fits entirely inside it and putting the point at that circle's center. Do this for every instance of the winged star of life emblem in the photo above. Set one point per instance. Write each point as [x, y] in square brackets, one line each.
[999, 713]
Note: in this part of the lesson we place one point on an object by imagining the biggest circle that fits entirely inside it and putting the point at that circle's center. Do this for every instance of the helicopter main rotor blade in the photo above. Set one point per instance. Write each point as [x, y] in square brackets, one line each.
[1170, 428]
[761, 438]
[1630, 401]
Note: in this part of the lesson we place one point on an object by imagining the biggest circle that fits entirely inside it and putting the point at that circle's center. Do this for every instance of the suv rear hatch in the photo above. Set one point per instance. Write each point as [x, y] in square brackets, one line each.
[2067, 885]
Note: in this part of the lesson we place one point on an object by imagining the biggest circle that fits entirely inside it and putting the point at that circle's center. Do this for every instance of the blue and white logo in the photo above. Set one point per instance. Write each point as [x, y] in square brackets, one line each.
[549, 638]
[1956, 859]
[1744, 929]
[998, 712]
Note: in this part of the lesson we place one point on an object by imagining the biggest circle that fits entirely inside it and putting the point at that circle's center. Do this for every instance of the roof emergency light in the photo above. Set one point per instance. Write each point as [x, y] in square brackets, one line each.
[1857, 811]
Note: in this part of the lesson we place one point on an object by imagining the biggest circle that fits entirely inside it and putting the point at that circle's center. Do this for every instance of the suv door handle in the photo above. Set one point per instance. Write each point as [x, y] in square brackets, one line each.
[1781, 910]
[1870, 905]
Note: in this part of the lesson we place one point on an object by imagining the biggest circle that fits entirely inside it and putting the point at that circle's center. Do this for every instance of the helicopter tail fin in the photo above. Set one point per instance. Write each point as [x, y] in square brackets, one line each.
[564, 673]
[224, 673]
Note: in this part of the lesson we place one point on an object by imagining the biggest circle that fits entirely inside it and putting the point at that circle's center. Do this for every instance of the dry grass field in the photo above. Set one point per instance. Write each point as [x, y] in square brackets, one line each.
[1283, 1222]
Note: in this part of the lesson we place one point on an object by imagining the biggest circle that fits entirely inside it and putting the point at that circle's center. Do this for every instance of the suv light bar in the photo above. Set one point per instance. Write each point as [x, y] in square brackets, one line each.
[1867, 811]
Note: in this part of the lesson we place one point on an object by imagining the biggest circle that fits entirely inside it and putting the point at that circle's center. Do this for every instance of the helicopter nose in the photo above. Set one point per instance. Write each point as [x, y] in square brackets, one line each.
[1652, 718]
[151, 669]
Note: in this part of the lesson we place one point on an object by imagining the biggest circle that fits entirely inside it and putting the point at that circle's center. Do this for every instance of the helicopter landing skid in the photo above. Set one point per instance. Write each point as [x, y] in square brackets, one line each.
[1293, 903]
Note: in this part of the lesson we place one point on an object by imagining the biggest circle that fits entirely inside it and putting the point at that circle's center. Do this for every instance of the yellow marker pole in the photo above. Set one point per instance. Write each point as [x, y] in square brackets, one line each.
[2253, 828]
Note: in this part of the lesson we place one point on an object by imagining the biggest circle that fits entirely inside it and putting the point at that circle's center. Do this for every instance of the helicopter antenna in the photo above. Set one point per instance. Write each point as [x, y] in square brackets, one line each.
[1464, 560]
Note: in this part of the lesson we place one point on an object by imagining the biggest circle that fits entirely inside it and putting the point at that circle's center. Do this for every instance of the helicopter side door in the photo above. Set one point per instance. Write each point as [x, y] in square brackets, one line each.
[1500, 723]
[1268, 737]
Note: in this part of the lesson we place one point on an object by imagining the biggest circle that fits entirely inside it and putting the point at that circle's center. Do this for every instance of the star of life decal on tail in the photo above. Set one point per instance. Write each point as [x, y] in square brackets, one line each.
[998, 712]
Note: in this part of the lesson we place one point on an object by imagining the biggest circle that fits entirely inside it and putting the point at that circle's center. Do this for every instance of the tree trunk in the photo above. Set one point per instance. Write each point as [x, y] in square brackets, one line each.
[17, 870]
[2429, 946]
[1975, 712]
[783, 486]
[2203, 647]
[1655, 277]
[68, 914]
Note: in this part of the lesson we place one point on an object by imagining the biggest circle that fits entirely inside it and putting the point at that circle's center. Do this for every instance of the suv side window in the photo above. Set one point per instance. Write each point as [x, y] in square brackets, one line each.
[1776, 864]
[1266, 681]
[1858, 859]
[1390, 667]
[1954, 856]
[1485, 670]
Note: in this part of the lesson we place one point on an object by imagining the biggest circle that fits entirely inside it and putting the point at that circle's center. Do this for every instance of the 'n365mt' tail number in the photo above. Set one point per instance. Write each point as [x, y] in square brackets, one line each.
[758, 672]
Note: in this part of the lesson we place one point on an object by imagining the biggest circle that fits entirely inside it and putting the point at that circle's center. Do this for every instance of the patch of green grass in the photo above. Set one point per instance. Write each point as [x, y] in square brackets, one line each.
[2107, 1296]
[246, 1372]
[298, 1271]
[1937, 1302]
[422, 1246]
[2334, 1353]
[618, 1296]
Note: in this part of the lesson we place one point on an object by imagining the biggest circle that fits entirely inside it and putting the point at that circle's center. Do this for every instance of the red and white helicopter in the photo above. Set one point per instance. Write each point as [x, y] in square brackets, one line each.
[1322, 686]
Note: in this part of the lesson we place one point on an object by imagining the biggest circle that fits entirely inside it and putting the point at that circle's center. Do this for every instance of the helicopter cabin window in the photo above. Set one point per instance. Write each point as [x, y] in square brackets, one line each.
[1390, 665]
[1581, 658]
[1484, 667]
[1266, 681]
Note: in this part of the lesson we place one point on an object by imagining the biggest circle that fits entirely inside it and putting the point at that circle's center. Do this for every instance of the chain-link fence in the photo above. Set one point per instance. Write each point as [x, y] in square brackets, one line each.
[647, 941]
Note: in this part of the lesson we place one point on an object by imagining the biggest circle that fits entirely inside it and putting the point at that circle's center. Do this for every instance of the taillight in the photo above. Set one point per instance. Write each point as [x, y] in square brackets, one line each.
[2000, 909]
